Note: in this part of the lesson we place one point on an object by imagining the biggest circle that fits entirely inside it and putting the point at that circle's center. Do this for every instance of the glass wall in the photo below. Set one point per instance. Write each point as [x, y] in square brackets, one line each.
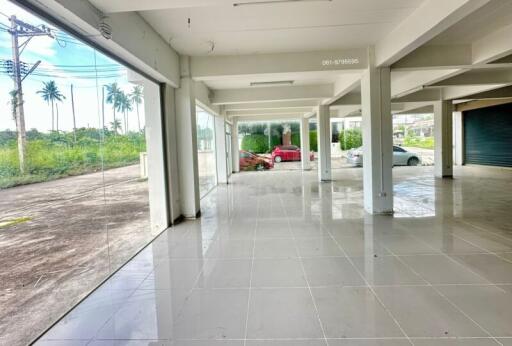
[80, 181]
[205, 123]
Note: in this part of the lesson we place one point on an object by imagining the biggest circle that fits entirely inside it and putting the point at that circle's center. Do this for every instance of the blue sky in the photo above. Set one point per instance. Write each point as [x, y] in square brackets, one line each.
[56, 56]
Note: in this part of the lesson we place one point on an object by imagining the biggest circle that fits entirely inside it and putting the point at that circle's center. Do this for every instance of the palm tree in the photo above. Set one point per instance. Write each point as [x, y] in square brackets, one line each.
[125, 106]
[115, 126]
[51, 94]
[113, 98]
[136, 97]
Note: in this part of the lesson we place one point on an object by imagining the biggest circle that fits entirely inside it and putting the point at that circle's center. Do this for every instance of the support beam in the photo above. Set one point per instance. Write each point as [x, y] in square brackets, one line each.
[479, 77]
[235, 149]
[221, 150]
[272, 105]
[276, 112]
[377, 141]
[323, 120]
[443, 143]
[435, 57]
[187, 145]
[271, 94]
[215, 67]
[426, 22]
[304, 144]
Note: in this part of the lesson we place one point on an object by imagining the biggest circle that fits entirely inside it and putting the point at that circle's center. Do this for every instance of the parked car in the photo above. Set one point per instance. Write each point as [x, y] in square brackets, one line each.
[288, 153]
[401, 157]
[251, 162]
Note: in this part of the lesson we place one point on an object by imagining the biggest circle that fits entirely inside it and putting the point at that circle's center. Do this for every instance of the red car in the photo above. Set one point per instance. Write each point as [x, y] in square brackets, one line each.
[288, 153]
[251, 162]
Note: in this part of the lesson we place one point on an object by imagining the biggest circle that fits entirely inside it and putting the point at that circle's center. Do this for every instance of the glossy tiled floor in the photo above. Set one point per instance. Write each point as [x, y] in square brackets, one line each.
[279, 259]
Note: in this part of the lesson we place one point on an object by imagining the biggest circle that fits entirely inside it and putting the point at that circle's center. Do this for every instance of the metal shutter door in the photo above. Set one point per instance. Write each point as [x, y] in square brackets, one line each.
[488, 136]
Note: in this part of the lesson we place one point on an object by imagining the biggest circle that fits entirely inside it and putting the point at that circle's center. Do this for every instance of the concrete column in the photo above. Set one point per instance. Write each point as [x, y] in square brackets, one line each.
[221, 150]
[458, 139]
[235, 150]
[324, 142]
[377, 139]
[304, 144]
[187, 143]
[443, 141]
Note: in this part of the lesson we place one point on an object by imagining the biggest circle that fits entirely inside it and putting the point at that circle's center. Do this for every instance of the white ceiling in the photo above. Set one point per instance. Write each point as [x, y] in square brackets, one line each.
[269, 28]
[303, 78]
[494, 15]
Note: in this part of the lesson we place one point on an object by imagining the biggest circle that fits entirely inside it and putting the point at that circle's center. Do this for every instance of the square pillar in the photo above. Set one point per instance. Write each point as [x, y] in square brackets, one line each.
[377, 140]
[221, 150]
[324, 142]
[187, 144]
[458, 139]
[304, 144]
[235, 150]
[443, 139]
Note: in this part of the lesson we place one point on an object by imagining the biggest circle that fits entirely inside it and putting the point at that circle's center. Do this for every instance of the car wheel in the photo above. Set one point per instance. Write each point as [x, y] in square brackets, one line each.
[260, 167]
[278, 159]
[413, 161]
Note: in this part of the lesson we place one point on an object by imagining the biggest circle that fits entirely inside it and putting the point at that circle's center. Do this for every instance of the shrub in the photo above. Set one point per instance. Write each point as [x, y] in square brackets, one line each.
[350, 139]
[419, 142]
[255, 143]
[313, 142]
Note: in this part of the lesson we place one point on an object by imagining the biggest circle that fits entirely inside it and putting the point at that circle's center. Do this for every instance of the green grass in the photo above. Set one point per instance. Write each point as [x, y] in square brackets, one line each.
[419, 142]
[52, 156]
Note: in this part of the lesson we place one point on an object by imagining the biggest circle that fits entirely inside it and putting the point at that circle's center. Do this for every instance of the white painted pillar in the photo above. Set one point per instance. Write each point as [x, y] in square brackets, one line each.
[235, 150]
[458, 139]
[187, 143]
[304, 144]
[221, 150]
[324, 142]
[377, 139]
[443, 142]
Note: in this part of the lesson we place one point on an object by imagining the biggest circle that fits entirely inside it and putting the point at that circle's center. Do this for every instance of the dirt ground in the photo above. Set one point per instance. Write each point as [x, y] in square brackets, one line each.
[79, 230]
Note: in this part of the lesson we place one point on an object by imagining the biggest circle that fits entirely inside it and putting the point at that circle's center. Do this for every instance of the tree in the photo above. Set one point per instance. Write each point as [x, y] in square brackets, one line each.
[115, 126]
[51, 94]
[113, 98]
[137, 97]
[125, 106]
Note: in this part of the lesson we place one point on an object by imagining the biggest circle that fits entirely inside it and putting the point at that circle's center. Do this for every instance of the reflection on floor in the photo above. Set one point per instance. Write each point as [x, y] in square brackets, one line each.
[279, 259]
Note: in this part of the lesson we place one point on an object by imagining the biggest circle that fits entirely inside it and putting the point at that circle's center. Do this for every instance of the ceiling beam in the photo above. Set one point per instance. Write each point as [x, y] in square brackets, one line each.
[426, 22]
[353, 98]
[459, 92]
[270, 94]
[479, 77]
[493, 46]
[476, 104]
[504, 92]
[291, 105]
[215, 67]
[435, 57]
[256, 112]
[344, 85]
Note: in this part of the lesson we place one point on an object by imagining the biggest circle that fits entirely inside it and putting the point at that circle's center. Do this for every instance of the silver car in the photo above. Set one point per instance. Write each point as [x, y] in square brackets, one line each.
[401, 157]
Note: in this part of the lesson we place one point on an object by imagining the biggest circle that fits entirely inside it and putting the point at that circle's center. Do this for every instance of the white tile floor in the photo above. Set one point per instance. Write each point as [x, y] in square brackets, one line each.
[279, 259]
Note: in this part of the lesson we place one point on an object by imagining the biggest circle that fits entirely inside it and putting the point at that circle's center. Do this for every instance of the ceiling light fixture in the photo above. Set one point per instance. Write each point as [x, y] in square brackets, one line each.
[272, 83]
[270, 2]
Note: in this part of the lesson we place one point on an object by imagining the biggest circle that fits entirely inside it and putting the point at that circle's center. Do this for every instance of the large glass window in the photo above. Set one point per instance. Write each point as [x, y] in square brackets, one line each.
[81, 171]
[205, 123]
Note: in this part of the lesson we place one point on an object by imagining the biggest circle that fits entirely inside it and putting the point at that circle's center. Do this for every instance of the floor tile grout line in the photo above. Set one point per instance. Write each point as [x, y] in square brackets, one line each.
[469, 223]
[317, 312]
[249, 294]
[388, 311]
[451, 259]
[487, 251]
[449, 300]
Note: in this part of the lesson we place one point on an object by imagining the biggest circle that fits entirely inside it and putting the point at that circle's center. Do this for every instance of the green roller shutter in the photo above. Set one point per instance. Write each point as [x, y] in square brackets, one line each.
[488, 136]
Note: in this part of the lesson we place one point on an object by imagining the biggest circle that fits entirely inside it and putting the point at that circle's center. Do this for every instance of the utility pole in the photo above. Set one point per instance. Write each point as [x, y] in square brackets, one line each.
[20, 114]
[19, 73]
